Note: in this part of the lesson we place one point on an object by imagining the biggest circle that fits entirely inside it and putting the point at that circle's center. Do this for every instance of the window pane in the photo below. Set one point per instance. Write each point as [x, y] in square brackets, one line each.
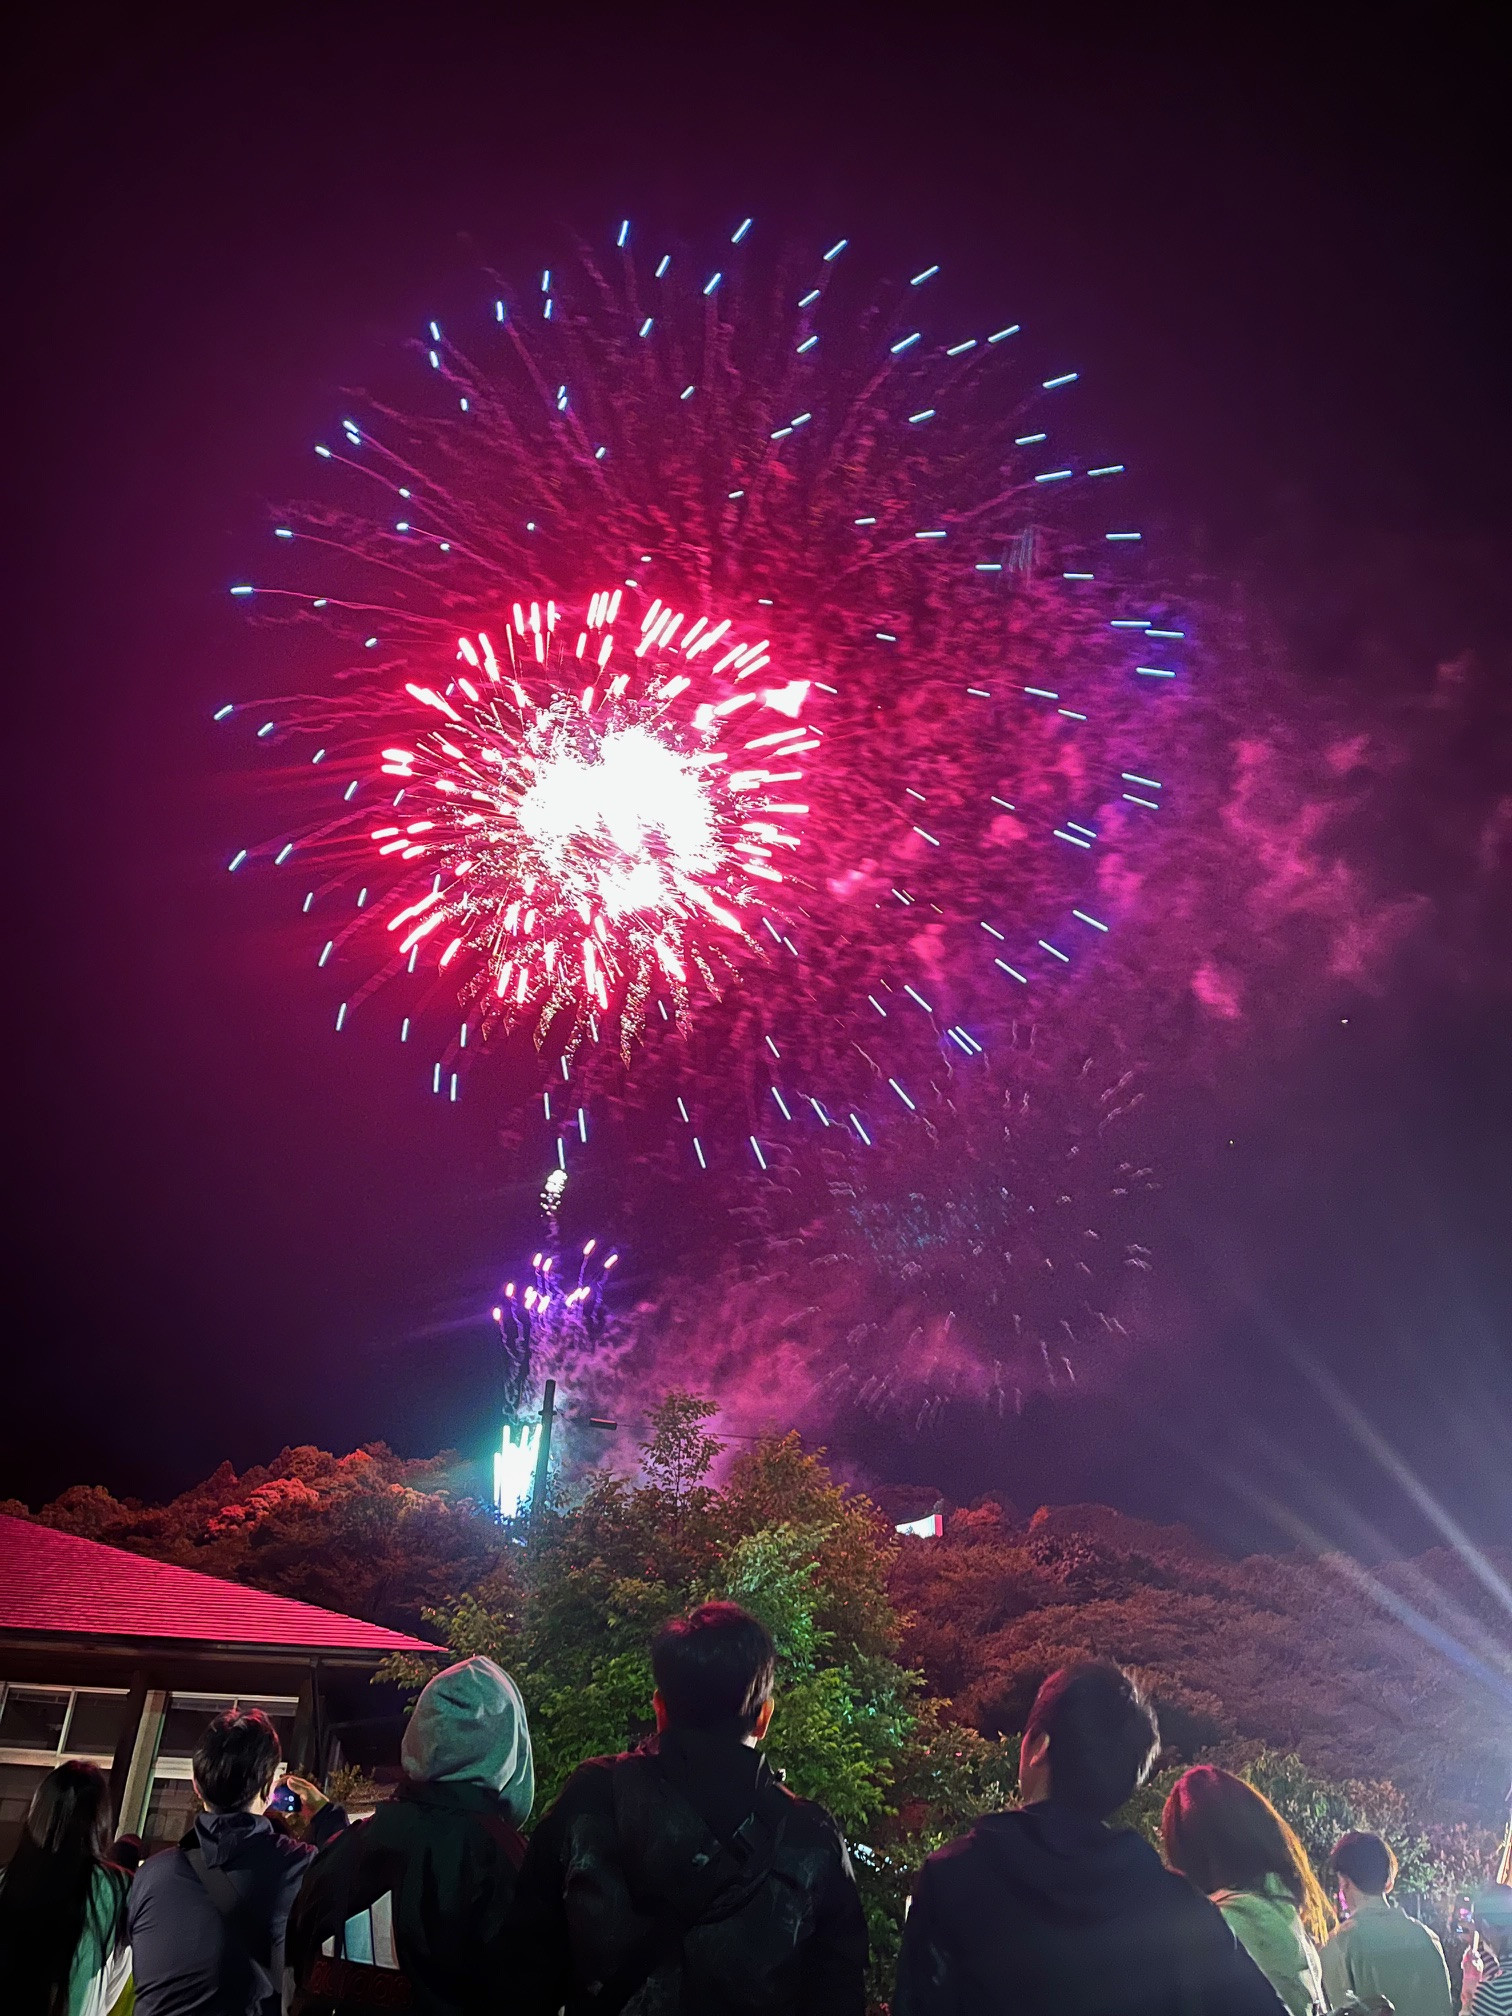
[32, 1720]
[170, 1813]
[97, 1723]
[17, 1784]
[186, 1721]
[183, 1727]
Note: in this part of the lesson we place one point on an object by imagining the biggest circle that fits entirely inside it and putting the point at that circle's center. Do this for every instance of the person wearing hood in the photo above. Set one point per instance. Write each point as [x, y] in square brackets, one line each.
[1228, 1839]
[206, 1923]
[683, 1879]
[1049, 1911]
[425, 1886]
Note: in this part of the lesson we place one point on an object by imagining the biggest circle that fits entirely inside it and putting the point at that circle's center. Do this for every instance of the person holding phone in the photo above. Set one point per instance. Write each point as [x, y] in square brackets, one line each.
[207, 1922]
[1486, 1970]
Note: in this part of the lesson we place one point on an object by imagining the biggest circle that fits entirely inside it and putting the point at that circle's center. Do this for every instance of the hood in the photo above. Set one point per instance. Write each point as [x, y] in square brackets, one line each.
[1077, 1871]
[223, 1836]
[469, 1727]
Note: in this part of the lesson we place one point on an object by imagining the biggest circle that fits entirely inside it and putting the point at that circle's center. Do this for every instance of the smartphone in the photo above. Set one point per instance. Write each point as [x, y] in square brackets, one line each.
[284, 1799]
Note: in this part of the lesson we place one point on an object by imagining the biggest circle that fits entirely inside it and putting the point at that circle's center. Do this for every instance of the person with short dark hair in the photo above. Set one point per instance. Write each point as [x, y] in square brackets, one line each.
[421, 1892]
[1379, 1950]
[207, 1920]
[683, 1877]
[1486, 1971]
[1049, 1911]
[63, 1949]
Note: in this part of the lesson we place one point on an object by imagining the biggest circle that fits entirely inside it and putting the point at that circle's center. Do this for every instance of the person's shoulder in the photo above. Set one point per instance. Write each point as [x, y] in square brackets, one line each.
[1421, 1934]
[1243, 1906]
[593, 1769]
[591, 1785]
[807, 1816]
[109, 1888]
[158, 1868]
[159, 1872]
[964, 1848]
[1342, 1936]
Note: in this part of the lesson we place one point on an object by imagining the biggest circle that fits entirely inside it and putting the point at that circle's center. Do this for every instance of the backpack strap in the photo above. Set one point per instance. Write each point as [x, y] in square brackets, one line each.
[506, 1837]
[731, 1877]
[232, 1906]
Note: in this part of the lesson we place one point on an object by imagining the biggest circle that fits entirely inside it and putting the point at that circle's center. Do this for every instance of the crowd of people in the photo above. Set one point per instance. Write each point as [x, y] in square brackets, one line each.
[683, 1879]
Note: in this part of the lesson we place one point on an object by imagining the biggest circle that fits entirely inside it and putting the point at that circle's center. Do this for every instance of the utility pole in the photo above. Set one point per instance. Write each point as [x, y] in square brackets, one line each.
[543, 1451]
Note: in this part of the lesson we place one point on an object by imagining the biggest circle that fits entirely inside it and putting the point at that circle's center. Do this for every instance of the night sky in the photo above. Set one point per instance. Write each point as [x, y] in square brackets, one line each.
[1278, 251]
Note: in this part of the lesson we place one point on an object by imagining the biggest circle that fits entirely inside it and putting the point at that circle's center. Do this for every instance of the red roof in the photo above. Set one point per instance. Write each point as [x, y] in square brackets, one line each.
[56, 1582]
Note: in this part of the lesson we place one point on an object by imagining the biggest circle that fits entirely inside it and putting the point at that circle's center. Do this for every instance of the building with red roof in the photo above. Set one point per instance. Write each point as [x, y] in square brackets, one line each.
[120, 1659]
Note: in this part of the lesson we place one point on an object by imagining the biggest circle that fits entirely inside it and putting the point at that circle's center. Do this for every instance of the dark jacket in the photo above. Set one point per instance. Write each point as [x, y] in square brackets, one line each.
[1045, 1913]
[687, 1865]
[446, 1854]
[189, 1960]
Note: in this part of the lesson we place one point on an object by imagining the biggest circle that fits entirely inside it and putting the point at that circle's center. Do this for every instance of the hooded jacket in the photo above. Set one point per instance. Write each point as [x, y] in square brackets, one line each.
[683, 1879]
[1044, 1912]
[439, 1858]
[186, 1958]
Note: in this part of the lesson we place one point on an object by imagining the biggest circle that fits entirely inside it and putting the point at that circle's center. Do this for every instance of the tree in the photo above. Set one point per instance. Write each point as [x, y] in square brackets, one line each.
[678, 1455]
[370, 1534]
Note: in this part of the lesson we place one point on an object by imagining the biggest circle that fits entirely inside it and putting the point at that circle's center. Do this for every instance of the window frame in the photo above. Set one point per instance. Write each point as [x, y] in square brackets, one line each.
[17, 1753]
[279, 1705]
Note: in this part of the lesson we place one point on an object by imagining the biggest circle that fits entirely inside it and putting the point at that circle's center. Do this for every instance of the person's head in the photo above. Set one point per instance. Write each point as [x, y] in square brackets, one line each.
[236, 1761]
[1222, 1834]
[49, 1887]
[714, 1670]
[1090, 1740]
[1363, 1866]
[1493, 1919]
[469, 1727]
[129, 1852]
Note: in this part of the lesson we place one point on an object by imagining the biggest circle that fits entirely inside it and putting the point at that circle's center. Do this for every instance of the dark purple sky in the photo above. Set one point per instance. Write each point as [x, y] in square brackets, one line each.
[1278, 249]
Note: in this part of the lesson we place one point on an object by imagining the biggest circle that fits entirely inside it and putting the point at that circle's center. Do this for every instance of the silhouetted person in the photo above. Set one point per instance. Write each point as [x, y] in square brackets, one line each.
[424, 1887]
[1048, 1911]
[207, 1919]
[682, 1879]
[1379, 1950]
[63, 1945]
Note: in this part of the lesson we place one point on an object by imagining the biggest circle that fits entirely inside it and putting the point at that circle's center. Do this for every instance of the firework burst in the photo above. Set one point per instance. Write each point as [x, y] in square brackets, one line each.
[914, 532]
[582, 846]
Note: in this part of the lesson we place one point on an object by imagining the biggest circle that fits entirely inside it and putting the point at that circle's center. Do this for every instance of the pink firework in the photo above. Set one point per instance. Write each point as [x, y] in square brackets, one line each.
[582, 835]
[817, 512]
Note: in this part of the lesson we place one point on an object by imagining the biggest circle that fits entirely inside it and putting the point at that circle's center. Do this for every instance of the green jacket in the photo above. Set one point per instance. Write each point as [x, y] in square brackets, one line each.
[1381, 1951]
[1267, 1926]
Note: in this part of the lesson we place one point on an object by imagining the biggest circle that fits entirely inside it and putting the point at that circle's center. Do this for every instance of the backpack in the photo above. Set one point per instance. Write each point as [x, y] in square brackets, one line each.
[337, 1985]
[731, 1877]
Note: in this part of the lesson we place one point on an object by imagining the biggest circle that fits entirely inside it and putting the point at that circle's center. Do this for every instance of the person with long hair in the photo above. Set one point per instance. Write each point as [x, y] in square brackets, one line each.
[63, 1948]
[1232, 1845]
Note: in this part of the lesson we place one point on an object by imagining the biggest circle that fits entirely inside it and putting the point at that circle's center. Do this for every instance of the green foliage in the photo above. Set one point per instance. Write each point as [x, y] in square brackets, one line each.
[678, 1454]
[904, 1671]
[572, 1608]
[1436, 1863]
